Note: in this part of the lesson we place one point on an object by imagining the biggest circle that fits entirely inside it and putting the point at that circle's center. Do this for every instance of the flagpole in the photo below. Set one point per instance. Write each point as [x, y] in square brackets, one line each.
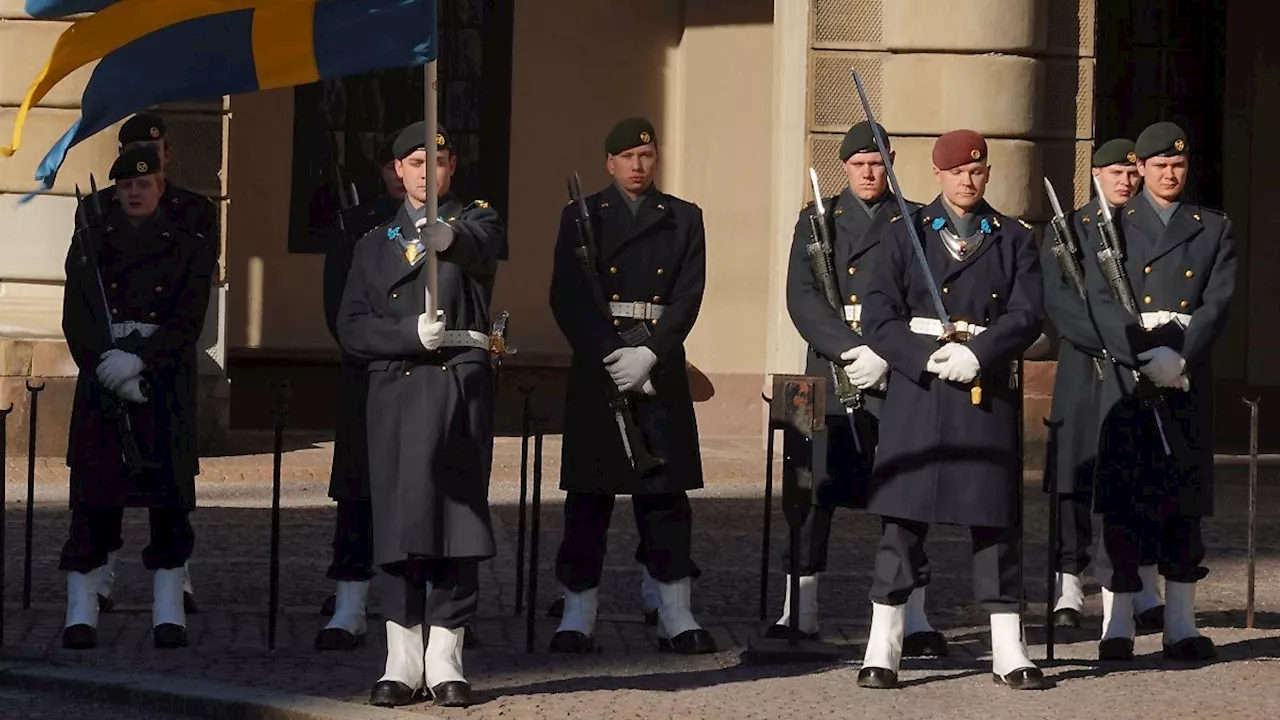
[433, 202]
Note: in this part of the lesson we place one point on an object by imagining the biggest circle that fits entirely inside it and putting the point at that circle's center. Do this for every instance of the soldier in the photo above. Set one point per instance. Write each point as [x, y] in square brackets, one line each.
[1076, 389]
[199, 216]
[859, 215]
[1180, 260]
[352, 565]
[948, 451]
[156, 276]
[651, 261]
[429, 419]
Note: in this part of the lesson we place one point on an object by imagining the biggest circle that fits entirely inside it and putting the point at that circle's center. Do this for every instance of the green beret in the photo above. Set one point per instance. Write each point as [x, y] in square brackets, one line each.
[414, 138]
[135, 162]
[629, 133]
[143, 127]
[1162, 138]
[861, 139]
[1115, 152]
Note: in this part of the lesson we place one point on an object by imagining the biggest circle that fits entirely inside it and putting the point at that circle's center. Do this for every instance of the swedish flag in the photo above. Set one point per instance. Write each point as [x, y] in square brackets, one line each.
[155, 51]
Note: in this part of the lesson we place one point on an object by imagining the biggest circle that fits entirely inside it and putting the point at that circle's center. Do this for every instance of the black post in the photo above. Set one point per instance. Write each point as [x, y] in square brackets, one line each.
[4, 465]
[278, 411]
[34, 390]
[1022, 535]
[767, 528]
[535, 531]
[1054, 544]
[522, 514]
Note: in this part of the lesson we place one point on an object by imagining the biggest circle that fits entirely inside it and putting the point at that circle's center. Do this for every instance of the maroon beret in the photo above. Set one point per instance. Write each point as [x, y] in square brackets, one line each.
[958, 147]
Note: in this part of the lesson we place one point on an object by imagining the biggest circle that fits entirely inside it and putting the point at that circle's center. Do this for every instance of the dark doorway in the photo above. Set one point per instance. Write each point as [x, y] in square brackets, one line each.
[341, 127]
[1160, 60]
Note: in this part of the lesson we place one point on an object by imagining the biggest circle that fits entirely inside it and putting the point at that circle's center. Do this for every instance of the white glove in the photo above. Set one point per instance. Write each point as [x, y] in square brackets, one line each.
[647, 388]
[954, 362]
[118, 366]
[131, 390]
[867, 369]
[430, 332]
[1165, 367]
[437, 236]
[630, 366]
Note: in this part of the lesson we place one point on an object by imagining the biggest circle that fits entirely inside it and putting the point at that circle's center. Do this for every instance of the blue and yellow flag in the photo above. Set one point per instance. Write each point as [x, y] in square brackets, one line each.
[155, 51]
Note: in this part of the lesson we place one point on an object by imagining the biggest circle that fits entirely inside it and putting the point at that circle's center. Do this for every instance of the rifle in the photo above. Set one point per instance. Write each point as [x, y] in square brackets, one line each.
[820, 253]
[348, 198]
[1111, 261]
[951, 332]
[115, 408]
[633, 440]
[1064, 249]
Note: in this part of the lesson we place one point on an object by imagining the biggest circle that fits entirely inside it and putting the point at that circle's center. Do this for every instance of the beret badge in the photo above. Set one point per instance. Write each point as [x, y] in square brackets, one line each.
[1132, 157]
[1179, 145]
[142, 167]
[976, 154]
[154, 131]
[644, 136]
[439, 140]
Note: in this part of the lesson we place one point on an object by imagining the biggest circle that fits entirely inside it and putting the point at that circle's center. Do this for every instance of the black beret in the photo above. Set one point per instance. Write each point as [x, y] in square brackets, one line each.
[414, 138]
[142, 127]
[629, 133]
[135, 162]
[1115, 152]
[1162, 138]
[860, 139]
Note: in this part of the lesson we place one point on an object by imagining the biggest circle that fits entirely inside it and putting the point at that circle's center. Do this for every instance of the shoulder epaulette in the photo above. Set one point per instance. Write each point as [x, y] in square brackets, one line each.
[1024, 224]
[895, 218]
[481, 204]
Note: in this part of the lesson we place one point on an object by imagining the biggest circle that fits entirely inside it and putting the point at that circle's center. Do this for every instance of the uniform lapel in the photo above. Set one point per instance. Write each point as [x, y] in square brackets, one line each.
[1183, 226]
[1141, 232]
[851, 225]
[393, 266]
[988, 221]
[654, 209]
[934, 251]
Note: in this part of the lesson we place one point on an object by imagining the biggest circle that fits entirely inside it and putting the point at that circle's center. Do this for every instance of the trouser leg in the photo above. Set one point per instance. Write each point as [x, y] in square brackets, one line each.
[580, 560]
[900, 562]
[996, 565]
[352, 542]
[172, 539]
[665, 525]
[93, 534]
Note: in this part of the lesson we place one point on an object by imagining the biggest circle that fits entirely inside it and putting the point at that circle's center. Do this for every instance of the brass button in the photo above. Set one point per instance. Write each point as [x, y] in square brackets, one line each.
[1190, 274]
[407, 373]
[653, 321]
[444, 368]
[660, 271]
[946, 290]
[164, 235]
[1184, 303]
[115, 285]
[152, 314]
[617, 321]
[616, 297]
[115, 311]
[395, 295]
[852, 269]
[1147, 299]
[1147, 269]
[657, 298]
[613, 270]
[159, 288]
[995, 296]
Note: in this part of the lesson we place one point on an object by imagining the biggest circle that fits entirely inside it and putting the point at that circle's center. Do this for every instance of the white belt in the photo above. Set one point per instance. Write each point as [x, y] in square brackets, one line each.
[853, 313]
[1152, 320]
[465, 338]
[636, 310]
[122, 329]
[933, 327]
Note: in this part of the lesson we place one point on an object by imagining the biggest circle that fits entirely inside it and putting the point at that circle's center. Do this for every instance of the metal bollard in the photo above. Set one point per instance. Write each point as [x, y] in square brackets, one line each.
[4, 474]
[767, 525]
[535, 531]
[34, 391]
[526, 418]
[279, 410]
[1253, 508]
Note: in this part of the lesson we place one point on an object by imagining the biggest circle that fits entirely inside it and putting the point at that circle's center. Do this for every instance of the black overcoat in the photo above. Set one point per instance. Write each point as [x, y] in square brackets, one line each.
[349, 473]
[1077, 386]
[1188, 267]
[829, 332]
[658, 256]
[941, 458]
[158, 274]
[429, 413]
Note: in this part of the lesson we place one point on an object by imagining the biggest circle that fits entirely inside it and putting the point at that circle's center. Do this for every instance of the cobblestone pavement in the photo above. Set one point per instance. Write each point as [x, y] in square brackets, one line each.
[629, 678]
